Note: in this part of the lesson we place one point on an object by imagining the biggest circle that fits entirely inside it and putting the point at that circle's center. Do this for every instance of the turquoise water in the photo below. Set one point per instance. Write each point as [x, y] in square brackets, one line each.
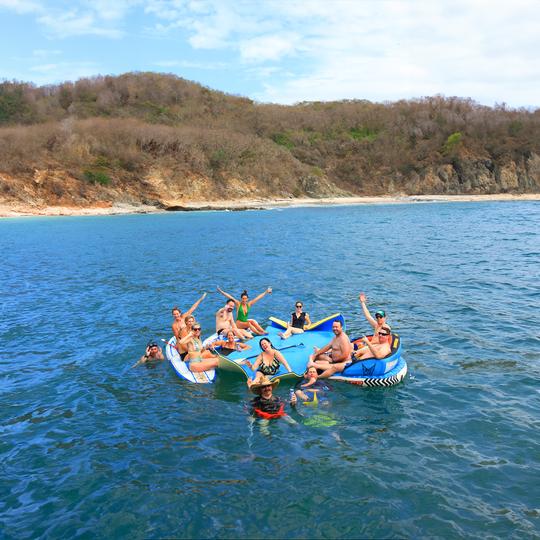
[90, 448]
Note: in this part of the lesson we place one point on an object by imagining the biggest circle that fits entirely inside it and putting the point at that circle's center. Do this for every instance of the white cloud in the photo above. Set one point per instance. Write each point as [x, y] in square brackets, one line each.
[21, 7]
[89, 17]
[45, 53]
[268, 47]
[73, 23]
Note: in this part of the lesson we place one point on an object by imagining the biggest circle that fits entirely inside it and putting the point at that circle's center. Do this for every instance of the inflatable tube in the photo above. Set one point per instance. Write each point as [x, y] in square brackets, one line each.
[372, 372]
[181, 368]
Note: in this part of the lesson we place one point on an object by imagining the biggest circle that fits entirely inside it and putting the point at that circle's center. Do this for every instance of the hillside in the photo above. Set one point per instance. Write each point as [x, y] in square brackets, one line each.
[146, 138]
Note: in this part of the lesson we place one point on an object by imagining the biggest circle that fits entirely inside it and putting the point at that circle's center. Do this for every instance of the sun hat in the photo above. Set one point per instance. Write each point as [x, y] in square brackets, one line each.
[265, 381]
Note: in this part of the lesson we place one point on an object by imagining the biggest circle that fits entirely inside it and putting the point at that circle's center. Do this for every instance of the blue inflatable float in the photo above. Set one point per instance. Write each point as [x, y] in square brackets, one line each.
[372, 372]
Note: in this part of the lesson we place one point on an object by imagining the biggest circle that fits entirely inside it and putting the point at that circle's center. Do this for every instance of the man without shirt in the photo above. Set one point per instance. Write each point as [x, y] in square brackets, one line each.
[370, 350]
[225, 321]
[335, 354]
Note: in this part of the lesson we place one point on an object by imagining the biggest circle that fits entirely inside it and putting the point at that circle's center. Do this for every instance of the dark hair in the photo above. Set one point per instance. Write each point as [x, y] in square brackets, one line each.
[338, 321]
[152, 344]
[265, 339]
[176, 308]
[244, 293]
[230, 300]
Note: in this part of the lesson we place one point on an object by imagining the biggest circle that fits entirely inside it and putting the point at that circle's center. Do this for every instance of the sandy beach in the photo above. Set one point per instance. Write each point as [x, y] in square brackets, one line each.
[17, 210]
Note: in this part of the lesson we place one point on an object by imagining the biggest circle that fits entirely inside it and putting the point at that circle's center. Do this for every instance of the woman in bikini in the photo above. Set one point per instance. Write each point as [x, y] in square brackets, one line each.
[199, 358]
[268, 362]
[229, 345]
[243, 307]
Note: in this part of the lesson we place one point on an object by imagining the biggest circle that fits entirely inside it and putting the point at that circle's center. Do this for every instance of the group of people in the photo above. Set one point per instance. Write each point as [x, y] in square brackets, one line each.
[331, 359]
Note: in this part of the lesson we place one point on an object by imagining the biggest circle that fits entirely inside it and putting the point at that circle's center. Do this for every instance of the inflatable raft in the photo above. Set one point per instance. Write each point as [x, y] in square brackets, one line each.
[182, 369]
[296, 349]
[372, 372]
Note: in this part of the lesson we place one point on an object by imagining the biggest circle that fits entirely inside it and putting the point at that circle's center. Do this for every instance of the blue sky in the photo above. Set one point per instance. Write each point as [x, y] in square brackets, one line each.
[286, 51]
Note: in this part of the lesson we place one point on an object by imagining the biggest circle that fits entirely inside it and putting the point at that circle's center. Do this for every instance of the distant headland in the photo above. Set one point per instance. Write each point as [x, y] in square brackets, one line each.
[151, 142]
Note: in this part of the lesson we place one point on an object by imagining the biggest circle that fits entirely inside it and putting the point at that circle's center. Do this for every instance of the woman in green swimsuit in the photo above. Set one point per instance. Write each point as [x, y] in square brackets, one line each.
[243, 306]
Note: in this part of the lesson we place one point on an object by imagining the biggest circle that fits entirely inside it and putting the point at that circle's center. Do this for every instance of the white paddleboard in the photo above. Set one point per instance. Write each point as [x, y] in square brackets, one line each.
[181, 368]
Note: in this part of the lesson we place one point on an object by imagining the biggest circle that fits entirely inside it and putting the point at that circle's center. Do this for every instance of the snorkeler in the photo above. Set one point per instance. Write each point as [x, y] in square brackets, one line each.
[152, 354]
[243, 307]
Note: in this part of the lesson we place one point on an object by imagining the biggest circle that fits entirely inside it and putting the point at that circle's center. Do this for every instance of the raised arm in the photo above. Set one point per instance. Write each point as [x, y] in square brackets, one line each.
[227, 295]
[257, 298]
[186, 339]
[194, 306]
[367, 314]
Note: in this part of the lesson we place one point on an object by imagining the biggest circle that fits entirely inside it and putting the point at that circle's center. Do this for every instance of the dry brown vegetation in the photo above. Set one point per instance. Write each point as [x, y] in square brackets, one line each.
[158, 138]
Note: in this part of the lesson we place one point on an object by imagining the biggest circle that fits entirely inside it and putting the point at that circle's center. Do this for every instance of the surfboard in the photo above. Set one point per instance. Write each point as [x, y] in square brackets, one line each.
[181, 368]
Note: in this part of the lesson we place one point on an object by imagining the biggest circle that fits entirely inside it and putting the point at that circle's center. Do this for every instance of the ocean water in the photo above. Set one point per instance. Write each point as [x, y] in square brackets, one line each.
[93, 449]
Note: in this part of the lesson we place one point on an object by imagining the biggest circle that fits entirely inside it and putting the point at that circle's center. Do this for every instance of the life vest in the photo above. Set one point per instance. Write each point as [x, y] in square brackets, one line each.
[278, 414]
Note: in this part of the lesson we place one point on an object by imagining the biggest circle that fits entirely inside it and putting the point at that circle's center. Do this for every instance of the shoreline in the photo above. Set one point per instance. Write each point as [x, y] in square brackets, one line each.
[17, 210]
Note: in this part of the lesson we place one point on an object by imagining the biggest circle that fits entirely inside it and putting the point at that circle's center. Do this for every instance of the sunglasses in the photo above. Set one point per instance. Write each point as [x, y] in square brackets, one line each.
[196, 329]
[378, 316]
[383, 334]
[299, 305]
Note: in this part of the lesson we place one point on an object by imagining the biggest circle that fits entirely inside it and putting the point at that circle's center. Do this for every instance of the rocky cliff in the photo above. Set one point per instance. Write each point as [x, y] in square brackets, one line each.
[163, 141]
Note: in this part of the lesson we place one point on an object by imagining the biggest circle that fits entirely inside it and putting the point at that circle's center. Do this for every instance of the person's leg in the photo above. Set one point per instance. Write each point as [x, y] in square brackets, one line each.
[242, 334]
[287, 333]
[256, 327]
[333, 369]
[203, 365]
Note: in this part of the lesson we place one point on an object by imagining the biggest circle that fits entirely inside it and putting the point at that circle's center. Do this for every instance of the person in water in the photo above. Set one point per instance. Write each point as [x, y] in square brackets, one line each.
[225, 322]
[268, 362]
[198, 358]
[299, 321]
[335, 354]
[266, 405]
[178, 318]
[227, 346]
[243, 307]
[152, 354]
[311, 389]
[376, 322]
